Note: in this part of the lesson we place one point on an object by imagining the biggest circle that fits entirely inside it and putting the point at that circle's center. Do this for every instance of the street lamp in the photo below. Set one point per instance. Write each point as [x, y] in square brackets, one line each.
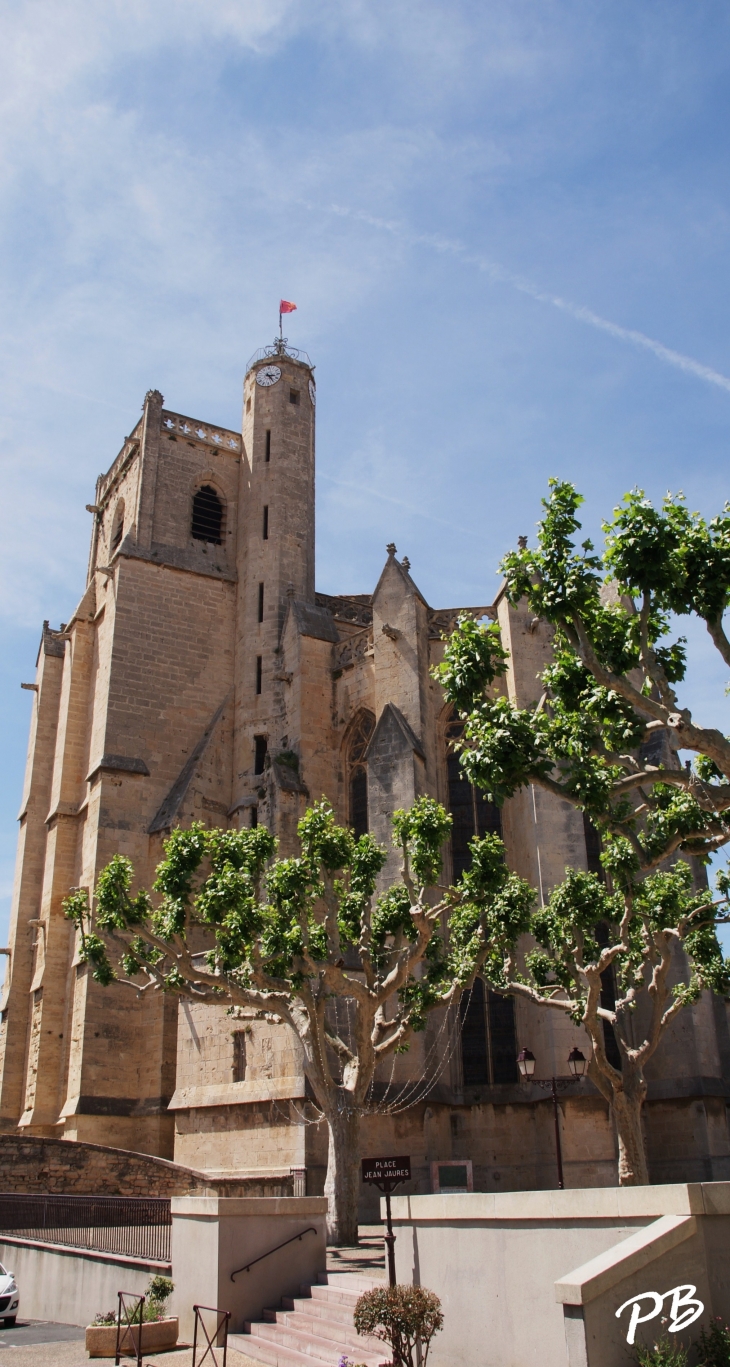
[577, 1065]
[526, 1062]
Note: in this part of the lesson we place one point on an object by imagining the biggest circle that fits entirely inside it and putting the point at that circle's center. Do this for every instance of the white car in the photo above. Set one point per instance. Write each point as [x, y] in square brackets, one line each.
[9, 1297]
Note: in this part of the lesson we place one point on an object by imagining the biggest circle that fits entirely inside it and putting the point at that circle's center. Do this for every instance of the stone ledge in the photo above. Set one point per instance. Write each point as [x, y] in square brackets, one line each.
[213, 1207]
[237, 1093]
[578, 1203]
[605, 1271]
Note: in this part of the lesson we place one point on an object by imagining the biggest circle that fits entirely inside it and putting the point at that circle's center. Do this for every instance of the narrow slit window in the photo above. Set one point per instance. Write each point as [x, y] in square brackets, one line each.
[266, 522]
[259, 670]
[207, 516]
[118, 529]
[268, 446]
[239, 1056]
[254, 817]
[261, 602]
[293, 396]
[261, 745]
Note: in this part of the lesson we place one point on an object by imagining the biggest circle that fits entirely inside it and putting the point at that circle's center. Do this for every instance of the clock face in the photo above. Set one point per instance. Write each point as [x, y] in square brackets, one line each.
[312, 393]
[268, 375]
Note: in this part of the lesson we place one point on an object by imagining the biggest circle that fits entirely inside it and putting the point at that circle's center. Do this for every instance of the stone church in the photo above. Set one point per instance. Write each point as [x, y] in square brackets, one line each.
[203, 677]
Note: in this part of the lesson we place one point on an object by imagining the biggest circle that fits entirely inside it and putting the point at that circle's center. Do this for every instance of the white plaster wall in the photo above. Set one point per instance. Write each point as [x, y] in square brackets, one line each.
[71, 1287]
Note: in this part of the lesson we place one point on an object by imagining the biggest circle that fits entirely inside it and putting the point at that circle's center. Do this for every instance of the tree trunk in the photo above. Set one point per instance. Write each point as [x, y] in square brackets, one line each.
[627, 1103]
[342, 1184]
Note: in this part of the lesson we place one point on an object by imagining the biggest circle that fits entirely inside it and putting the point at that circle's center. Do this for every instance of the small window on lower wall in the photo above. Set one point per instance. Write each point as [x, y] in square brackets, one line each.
[452, 1176]
[239, 1056]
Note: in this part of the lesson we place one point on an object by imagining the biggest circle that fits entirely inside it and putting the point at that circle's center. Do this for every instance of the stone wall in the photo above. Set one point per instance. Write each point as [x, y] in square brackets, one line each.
[55, 1166]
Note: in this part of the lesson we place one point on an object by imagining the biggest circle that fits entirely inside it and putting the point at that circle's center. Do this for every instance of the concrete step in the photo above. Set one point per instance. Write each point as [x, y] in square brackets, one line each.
[301, 1339]
[330, 1310]
[350, 1281]
[276, 1340]
[317, 1326]
[337, 1295]
[271, 1354]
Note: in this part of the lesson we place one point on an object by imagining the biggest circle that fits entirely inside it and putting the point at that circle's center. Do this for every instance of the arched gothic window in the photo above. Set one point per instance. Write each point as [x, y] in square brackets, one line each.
[472, 812]
[207, 515]
[488, 1037]
[357, 774]
[117, 527]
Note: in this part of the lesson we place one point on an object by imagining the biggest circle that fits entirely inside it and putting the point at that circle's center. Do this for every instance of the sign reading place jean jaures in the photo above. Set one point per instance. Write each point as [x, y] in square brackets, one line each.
[386, 1172]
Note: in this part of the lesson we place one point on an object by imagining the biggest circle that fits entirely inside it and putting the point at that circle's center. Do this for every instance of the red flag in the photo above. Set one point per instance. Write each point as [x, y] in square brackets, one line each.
[286, 307]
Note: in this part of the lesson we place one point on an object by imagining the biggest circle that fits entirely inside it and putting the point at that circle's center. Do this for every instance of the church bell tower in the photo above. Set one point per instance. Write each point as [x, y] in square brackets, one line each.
[276, 546]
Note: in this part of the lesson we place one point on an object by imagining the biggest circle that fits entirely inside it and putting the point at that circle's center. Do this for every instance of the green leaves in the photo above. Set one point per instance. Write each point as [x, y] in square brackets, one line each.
[420, 833]
[556, 580]
[474, 657]
[675, 555]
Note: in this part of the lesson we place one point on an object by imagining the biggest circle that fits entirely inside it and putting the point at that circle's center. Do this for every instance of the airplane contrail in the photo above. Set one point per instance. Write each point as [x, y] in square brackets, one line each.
[502, 275]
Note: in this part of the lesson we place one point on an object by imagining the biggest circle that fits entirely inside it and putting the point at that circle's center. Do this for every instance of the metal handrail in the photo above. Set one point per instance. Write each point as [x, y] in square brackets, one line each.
[247, 1267]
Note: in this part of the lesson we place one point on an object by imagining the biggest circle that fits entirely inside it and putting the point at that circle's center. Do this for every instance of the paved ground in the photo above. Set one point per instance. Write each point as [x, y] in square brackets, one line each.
[367, 1258]
[34, 1331]
[67, 1354]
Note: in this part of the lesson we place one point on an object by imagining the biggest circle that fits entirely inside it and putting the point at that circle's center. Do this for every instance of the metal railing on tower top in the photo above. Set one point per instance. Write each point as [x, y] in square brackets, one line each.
[280, 347]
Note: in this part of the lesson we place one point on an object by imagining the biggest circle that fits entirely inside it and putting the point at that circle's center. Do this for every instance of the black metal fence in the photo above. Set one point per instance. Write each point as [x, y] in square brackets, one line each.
[137, 1227]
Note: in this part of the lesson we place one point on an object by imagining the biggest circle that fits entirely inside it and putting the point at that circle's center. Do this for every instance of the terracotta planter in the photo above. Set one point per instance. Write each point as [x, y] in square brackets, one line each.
[101, 1339]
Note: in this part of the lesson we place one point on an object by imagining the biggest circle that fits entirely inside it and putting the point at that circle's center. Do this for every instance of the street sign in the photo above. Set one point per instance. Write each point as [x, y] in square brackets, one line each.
[386, 1173]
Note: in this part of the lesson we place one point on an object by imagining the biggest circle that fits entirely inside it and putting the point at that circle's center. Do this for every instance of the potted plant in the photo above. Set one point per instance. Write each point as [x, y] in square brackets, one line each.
[159, 1331]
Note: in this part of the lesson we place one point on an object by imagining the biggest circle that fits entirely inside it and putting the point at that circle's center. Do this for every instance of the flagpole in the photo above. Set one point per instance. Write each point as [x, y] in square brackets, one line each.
[281, 330]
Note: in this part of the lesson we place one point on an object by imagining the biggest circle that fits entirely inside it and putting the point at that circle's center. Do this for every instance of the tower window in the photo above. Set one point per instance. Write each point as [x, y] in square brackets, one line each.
[293, 396]
[239, 1056]
[118, 527]
[471, 811]
[261, 746]
[488, 1038]
[248, 405]
[358, 774]
[261, 602]
[207, 515]
[268, 446]
[259, 671]
[254, 818]
[266, 522]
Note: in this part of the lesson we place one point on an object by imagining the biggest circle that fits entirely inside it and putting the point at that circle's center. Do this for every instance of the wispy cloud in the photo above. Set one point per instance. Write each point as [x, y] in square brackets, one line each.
[382, 497]
[502, 275]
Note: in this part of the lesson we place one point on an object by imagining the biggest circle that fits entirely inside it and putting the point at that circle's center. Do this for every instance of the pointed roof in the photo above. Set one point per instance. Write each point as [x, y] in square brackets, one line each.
[392, 715]
[402, 569]
[312, 620]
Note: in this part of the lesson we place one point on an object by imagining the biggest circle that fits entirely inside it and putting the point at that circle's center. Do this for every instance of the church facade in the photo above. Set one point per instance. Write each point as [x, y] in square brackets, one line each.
[203, 677]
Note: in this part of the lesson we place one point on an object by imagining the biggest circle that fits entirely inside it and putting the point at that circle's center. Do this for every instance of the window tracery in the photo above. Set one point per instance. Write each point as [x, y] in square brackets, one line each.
[357, 774]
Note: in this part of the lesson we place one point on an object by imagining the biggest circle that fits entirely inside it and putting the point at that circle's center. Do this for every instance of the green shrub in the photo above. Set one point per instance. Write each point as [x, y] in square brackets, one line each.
[713, 1345]
[662, 1354]
[401, 1316]
[157, 1292]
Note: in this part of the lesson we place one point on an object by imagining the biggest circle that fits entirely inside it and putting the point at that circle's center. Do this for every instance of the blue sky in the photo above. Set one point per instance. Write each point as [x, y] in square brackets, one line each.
[459, 197]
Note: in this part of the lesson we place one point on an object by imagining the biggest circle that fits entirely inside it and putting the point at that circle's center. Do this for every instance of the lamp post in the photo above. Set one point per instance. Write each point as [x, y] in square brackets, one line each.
[577, 1065]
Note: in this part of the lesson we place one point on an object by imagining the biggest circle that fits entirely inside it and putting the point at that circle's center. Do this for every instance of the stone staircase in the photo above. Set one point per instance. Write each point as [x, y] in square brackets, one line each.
[314, 1329]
